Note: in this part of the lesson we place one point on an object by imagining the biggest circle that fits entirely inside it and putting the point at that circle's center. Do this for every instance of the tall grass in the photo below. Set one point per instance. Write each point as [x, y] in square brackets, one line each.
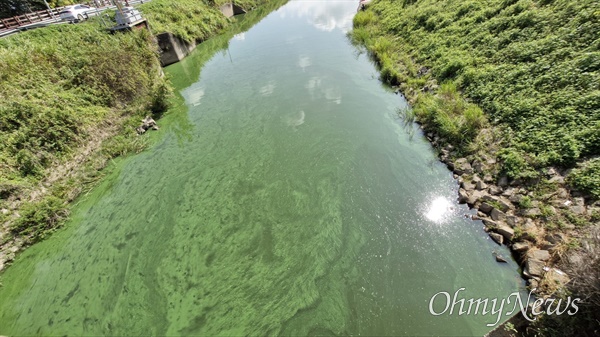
[191, 20]
[59, 87]
[533, 67]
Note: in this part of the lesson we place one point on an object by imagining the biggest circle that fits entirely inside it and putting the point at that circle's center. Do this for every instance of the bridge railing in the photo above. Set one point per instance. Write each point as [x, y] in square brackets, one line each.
[47, 15]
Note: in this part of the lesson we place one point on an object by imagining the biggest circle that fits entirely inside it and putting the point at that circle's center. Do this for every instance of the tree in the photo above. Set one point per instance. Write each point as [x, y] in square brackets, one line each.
[10, 8]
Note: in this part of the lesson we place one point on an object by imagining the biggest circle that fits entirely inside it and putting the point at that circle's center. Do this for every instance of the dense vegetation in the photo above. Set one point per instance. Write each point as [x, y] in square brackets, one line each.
[532, 66]
[62, 88]
[192, 20]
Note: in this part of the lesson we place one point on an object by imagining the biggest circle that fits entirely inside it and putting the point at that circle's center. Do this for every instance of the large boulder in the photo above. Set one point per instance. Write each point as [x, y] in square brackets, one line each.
[499, 239]
[532, 212]
[505, 230]
[511, 220]
[461, 166]
[542, 255]
[495, 190]
[485, 207]
[498, 215]
[502, 203]
[534, 267]
[463, 196]
[467, 185]
[475, 196]
[520, 247]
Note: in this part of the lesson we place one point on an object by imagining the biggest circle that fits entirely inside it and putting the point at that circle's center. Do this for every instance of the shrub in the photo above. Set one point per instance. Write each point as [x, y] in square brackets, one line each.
[38, 219]
[587, 177]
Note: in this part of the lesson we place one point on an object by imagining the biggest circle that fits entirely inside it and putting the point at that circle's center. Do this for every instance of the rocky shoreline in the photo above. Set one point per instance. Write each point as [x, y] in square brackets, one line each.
[512, 217]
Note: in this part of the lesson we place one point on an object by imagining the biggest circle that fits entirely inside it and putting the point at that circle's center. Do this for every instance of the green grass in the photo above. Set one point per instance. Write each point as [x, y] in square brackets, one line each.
[191, 20]
[587, 177]
[60, 86]
[533, 67]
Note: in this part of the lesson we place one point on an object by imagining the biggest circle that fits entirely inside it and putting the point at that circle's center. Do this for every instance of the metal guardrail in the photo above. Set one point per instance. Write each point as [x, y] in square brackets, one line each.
[51, 16]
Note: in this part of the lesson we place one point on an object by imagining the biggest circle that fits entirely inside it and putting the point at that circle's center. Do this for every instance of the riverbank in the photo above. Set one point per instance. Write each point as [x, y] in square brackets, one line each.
[512, 112]
[72, 98]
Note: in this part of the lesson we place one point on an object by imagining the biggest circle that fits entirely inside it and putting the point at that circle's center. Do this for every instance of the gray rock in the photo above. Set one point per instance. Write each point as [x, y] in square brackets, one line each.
[488, 178]
[467, 185]
[462, 166]
[520, 246]
[509, 191]
[532, 212]
[478, 166]
[505, 230]
[481, 185]
[494, 190]
[562, 193]
[515, 198]
[498, 215]
[463, 196]
[485, 207]
[475, 196]
[503, 204]
[503, 181]
[500, 258]
[541, 255]
[511, 220]
[499, 239]
[534, 267]
[578, 210]
[489, 223]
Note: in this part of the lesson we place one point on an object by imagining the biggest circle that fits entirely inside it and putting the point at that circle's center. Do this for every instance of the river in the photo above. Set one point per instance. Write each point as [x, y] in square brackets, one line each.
[282, 195]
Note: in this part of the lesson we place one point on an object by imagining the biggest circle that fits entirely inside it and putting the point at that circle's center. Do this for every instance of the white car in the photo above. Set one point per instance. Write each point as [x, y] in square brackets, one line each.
[75, 13]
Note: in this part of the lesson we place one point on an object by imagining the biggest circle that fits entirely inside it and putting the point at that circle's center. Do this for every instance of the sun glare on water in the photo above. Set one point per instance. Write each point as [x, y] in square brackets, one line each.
[439, 208]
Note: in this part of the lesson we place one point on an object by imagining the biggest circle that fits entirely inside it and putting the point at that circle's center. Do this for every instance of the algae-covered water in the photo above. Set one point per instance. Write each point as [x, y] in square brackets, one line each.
[282, 195]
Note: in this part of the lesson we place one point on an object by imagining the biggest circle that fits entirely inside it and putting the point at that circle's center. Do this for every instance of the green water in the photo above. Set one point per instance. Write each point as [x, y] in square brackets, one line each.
[282, 195]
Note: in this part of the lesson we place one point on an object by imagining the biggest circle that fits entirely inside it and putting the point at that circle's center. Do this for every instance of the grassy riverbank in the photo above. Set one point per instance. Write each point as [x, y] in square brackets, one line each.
[66, 92]
[512, 86]
[71, 97]
[191, 20]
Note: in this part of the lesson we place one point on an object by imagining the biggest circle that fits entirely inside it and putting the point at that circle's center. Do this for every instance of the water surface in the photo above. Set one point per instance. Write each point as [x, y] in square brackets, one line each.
[282, 196]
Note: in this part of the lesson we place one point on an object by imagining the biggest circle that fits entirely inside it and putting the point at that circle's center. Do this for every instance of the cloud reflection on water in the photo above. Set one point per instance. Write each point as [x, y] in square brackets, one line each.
[323, 15]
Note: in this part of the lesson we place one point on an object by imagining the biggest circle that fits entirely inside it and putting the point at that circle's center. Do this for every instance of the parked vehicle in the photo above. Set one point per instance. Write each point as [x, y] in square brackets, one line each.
[75, 13]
